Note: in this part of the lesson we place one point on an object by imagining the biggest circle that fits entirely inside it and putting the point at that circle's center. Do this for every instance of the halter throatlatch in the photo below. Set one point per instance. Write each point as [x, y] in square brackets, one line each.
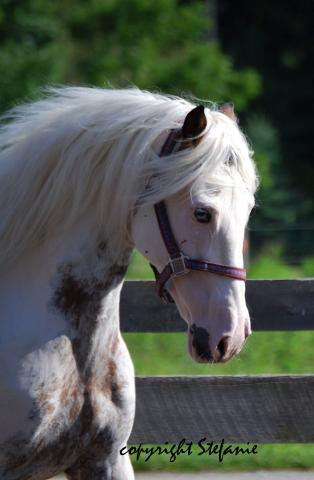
[180, 264]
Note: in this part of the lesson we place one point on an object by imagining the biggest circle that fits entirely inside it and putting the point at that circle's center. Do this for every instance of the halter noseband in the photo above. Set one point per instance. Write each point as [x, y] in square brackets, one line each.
[180, 264]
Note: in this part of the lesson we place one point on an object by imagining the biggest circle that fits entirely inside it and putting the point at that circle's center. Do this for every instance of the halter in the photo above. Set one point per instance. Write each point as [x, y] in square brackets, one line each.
[180, 264]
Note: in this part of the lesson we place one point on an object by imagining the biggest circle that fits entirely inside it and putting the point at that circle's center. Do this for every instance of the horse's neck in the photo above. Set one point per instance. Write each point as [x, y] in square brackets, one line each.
[70, 285]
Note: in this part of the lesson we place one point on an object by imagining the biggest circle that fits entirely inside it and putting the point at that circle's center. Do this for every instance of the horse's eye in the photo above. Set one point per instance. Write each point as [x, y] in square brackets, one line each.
[202, 215]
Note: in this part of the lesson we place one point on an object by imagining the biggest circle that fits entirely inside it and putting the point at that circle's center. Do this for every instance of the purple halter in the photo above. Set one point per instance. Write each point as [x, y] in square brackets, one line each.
[180, 264]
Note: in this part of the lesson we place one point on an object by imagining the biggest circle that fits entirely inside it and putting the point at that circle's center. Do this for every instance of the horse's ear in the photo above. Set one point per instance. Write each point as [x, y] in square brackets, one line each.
[228, 109]
[195, 123]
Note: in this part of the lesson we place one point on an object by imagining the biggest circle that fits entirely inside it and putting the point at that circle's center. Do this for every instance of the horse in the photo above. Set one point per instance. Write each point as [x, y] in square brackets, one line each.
[86, 175]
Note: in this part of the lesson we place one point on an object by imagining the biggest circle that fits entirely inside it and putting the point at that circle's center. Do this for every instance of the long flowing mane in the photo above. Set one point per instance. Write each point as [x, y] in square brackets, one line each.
[82, 148]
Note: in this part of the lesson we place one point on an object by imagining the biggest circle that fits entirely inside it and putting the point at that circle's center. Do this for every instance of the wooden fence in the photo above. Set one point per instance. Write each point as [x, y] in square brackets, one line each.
[258, 409]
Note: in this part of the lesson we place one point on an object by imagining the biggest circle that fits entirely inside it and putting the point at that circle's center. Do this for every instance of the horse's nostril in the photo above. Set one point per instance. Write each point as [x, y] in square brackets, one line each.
[223, 346]
[200, 342]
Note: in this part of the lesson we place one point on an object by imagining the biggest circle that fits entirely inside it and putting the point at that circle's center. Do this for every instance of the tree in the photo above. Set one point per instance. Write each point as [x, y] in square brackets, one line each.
[155, 45]
[275, 38]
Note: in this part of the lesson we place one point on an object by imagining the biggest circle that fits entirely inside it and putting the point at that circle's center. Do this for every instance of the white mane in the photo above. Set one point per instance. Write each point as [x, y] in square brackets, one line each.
[82, 148]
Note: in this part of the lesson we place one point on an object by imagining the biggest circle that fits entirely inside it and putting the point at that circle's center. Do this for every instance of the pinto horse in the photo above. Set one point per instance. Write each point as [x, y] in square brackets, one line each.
[86, 174]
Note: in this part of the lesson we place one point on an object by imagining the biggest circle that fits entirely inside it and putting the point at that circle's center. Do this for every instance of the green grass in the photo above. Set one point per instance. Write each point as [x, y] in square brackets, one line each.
[139, 268]
[264, 353]
[296, 456]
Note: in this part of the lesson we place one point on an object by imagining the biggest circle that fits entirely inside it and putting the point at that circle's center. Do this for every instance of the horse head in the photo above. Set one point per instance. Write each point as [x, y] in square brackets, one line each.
[194, 239]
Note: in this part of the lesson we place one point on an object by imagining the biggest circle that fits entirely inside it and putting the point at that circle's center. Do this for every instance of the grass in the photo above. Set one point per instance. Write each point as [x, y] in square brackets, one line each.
[264, 353]
[294, 456]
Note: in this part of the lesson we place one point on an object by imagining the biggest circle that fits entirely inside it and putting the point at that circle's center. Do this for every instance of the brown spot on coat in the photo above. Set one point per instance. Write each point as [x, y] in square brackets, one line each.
[110, 385]
[69, 439]
[79, 300]
[88, 465]
[82, 444]
[115, 388]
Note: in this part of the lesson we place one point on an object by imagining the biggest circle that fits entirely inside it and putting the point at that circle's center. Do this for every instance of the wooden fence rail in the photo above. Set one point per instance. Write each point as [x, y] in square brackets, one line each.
[273, 304]
[259, 409]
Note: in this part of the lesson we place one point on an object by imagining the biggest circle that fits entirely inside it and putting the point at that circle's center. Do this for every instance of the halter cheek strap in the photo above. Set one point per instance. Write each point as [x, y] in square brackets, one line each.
[180, 264]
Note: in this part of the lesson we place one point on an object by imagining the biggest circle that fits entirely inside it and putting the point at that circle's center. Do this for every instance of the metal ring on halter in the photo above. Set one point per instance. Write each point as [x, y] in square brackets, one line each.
[178, 265]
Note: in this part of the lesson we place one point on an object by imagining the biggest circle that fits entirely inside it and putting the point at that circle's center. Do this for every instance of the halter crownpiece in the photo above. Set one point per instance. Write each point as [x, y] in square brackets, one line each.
[180, 264]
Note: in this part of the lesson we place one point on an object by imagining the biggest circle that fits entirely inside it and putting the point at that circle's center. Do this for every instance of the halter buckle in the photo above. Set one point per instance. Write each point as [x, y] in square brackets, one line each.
[178, 265]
